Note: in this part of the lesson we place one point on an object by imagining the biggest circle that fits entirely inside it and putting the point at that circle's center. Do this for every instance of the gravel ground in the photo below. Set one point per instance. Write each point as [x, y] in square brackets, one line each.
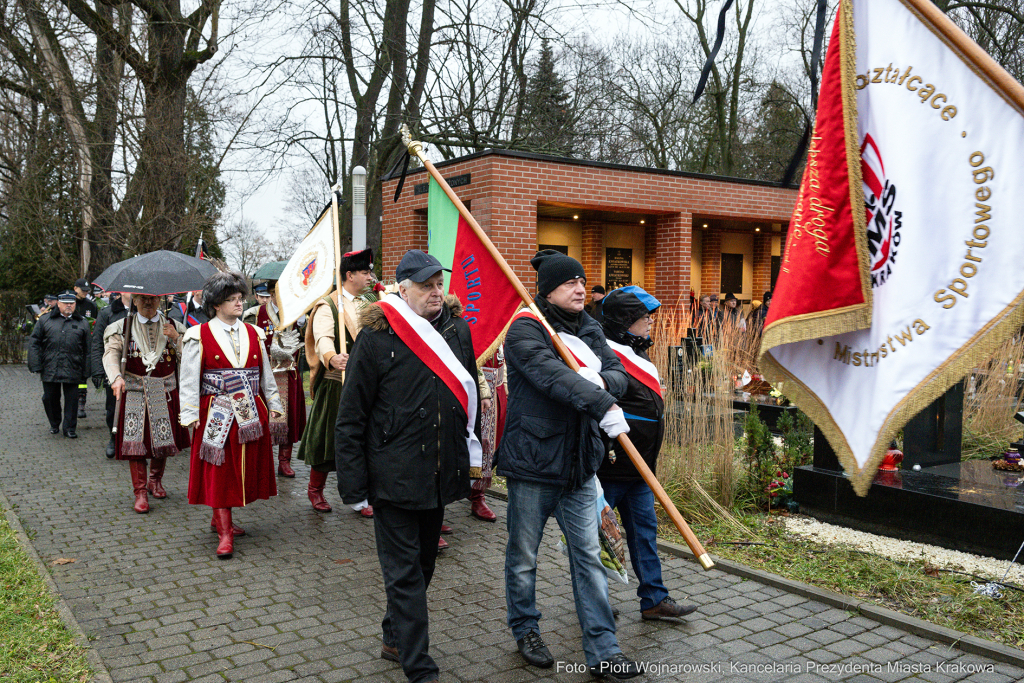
[894, 549]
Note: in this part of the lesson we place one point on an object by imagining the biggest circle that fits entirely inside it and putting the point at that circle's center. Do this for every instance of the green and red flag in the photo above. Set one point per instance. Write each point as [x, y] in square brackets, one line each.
[488, 298]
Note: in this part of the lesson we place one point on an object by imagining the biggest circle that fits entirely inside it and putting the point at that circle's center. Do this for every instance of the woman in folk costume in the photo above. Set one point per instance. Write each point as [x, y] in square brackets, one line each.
[283, 347]
[227, 388]
[144, 377]
[330, 334]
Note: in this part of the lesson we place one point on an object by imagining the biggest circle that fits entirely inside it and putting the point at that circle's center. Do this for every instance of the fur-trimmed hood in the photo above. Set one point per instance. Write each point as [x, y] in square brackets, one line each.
[371, 316]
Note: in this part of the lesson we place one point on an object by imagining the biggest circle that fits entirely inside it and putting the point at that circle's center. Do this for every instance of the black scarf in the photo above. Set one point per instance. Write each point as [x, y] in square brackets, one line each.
[559, 318]
[619, 335]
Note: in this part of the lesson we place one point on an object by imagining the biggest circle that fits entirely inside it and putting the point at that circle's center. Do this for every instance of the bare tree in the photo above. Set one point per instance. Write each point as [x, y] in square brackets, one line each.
[730, 79]
[244, 245]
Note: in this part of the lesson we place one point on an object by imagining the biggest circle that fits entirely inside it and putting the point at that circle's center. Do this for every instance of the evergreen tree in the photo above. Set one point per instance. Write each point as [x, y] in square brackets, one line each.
[776, 136]
[206, 191]
[549, 120]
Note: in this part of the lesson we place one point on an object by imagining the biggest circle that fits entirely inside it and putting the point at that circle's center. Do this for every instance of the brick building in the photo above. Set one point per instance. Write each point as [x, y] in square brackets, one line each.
[667, 231]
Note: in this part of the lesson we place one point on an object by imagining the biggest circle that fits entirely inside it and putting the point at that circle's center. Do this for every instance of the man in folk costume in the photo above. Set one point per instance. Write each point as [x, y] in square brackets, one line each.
[143, 378]
[407, 439]
[627, 326]
[284, 347]
[549, 455]
[227, 388]
[330, 334]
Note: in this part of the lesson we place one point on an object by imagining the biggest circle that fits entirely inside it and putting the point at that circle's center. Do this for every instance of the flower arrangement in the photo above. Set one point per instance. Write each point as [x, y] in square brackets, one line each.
[780, 490]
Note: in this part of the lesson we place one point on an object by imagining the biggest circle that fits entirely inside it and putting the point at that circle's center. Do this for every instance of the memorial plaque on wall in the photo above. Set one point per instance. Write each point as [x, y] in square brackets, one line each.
[560, 248]
[618, 266]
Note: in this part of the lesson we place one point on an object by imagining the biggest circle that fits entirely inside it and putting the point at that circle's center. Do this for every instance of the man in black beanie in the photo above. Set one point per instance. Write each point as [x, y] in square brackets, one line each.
[549, 454]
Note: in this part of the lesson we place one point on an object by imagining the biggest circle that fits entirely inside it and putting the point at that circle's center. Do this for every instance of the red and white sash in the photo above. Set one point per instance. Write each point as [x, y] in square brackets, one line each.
[431, 348]
[642, 370]
[584, 355]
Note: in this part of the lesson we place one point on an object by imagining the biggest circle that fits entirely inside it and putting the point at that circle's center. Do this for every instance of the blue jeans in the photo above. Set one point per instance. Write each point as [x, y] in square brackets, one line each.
[530, 504]
[635, 503]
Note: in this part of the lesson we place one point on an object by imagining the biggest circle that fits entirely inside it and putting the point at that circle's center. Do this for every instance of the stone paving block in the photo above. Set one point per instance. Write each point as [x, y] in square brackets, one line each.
[160, 608]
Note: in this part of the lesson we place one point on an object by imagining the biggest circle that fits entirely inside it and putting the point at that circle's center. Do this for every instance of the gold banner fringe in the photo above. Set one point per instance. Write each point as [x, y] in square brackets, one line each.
[848, 76]
[832, 323]
[976, 350]
[498, 341]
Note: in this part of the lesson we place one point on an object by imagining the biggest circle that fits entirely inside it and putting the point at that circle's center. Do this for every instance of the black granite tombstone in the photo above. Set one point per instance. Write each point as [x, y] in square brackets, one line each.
[964, 506]
[935, 435]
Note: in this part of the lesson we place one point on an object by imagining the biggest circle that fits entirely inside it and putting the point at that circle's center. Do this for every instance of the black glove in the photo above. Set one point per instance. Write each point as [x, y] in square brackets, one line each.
[98, 381]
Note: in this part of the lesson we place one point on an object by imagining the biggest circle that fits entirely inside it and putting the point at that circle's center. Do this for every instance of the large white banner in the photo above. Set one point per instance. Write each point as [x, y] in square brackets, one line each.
[942, 154]
[309, 274]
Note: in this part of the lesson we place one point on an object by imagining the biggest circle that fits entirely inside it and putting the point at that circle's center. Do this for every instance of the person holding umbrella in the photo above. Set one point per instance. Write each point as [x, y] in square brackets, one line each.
[283, 347]
[227, 389]
[140, 359]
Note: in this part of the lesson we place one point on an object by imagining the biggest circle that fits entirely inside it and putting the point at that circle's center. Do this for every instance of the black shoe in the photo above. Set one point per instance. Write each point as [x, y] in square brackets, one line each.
[389, 653]
[110, 448]
[618, 667]
[55, 430]
[534, 651]
[71, 434]
[667, 609]
[615, 612]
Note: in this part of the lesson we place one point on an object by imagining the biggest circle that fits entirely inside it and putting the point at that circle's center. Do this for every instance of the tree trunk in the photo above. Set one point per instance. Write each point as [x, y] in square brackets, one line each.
[163, 188]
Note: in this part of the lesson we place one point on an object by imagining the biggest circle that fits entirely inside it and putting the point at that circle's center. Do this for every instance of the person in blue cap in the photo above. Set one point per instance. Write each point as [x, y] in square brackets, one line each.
[628, 313]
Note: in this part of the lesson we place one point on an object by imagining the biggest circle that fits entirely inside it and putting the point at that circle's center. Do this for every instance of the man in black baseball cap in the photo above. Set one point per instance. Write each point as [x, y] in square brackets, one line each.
[418, 266]
[59, 351]
[394, 387]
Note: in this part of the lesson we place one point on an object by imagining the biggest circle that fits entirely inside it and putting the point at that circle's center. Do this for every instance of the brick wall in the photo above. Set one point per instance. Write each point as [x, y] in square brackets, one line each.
[711, 262]
[762, 264]
[593, 243]
[505, 191]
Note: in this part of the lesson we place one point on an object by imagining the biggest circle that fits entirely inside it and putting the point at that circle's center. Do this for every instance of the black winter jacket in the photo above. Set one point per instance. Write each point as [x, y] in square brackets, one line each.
[645, 411]
[400, 436]
[190, 310]
[109, 314]
[551, 427]
[60, 348]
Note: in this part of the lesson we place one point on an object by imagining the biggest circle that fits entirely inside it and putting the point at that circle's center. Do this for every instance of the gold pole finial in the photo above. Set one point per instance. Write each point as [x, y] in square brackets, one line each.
[415, 147]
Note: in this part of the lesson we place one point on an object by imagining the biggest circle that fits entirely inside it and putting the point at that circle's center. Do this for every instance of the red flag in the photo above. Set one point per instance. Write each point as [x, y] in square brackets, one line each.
[490, 300]
[824, 285]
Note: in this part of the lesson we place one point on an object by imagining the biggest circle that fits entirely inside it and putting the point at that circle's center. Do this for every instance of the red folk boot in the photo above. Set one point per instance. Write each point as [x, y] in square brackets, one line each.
[156, 475]
[317, 481]
[138, 470]
[478, 508]
[225, 545]
[235, 529]
[284, 459]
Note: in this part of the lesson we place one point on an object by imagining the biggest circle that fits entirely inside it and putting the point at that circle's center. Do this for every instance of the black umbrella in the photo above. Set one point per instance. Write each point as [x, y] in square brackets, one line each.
[156, 273]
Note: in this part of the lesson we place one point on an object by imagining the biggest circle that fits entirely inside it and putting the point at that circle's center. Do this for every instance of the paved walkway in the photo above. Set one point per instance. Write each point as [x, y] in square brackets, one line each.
[302, 598]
